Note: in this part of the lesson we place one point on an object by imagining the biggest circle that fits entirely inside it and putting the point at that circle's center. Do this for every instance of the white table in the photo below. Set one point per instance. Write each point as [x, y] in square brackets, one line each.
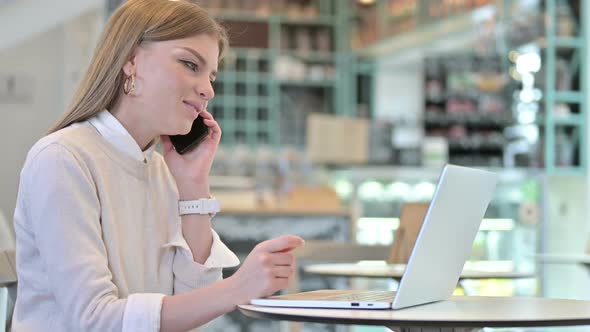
[396, 271]
[458, 314]
[583, 260]
[377, 269]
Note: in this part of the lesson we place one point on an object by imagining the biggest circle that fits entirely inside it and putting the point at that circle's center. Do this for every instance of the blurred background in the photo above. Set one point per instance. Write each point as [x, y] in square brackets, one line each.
[336, 113]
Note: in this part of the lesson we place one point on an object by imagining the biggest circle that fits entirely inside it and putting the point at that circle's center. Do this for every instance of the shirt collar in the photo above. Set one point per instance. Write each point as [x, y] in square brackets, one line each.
[113, 131]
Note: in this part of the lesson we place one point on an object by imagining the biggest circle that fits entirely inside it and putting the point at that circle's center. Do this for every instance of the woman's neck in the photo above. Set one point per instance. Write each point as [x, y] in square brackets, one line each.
[132, 119]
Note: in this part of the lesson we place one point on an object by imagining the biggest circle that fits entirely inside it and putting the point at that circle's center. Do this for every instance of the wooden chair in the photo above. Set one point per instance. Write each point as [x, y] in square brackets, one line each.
[334, 252]
[410, 222]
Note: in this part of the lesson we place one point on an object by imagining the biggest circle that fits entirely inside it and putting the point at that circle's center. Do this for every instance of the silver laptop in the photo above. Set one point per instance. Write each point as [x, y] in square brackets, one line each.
[442, 247]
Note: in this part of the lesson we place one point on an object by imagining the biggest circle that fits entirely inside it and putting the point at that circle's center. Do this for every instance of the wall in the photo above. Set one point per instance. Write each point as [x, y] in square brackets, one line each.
[48, 67]
[24, 19]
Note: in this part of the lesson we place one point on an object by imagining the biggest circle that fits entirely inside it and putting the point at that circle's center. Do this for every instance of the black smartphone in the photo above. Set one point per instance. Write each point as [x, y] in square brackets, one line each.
[184, 143]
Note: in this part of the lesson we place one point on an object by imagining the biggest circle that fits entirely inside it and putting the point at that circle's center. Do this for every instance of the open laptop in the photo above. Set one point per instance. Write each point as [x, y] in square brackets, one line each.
[442, 247]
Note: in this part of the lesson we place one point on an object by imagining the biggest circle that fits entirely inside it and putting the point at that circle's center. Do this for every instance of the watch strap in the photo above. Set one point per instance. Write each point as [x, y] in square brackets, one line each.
[208, 206]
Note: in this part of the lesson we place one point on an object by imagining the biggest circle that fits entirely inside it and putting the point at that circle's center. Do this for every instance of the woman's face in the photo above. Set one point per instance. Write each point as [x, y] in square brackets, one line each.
[174, 81]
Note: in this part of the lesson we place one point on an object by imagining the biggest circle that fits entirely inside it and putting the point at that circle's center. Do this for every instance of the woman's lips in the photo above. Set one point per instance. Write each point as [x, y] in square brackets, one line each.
[194, 110]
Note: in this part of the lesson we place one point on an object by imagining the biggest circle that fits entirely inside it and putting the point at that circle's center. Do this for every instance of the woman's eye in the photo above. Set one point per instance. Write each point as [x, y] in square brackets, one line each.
[190, 65]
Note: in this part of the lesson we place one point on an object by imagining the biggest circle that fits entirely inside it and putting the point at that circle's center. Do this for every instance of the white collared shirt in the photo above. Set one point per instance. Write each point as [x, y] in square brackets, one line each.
[113, 131]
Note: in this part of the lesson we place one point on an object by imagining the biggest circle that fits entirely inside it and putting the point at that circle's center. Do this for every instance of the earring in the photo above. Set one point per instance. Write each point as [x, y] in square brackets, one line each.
[129, 84]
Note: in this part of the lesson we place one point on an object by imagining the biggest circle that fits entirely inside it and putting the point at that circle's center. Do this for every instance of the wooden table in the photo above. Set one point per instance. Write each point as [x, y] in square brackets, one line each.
[458, 314]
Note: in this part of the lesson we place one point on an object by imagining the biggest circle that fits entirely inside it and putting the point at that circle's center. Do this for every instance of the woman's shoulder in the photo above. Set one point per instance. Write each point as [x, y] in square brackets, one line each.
[70, 140]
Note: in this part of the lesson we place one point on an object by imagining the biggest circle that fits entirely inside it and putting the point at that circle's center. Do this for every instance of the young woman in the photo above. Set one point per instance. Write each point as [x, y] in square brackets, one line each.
[101, 244]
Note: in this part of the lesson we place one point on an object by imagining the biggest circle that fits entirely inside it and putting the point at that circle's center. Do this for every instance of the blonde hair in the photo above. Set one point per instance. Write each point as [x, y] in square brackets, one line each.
[134, 23]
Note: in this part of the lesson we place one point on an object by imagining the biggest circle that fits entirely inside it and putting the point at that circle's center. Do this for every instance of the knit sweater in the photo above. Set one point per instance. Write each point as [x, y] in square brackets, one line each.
[99, 238]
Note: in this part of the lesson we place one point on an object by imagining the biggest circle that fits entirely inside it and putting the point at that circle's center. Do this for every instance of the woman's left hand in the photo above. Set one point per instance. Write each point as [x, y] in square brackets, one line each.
[191, 170]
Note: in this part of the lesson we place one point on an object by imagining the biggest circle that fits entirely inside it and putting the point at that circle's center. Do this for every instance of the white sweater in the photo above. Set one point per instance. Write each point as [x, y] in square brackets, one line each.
[99, 238]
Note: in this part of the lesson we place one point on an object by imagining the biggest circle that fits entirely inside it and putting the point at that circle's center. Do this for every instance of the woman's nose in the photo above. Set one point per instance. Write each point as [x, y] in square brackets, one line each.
[205, 90]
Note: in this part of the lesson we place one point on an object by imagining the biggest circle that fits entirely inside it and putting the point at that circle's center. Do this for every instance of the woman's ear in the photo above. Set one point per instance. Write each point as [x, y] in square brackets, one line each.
[129, 66]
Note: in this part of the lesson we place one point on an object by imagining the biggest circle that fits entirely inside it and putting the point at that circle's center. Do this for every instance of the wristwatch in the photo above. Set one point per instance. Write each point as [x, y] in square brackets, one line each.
[208, 206]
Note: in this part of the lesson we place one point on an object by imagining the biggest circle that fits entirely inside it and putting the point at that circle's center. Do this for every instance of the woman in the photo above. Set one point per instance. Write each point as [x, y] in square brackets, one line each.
[101, 245]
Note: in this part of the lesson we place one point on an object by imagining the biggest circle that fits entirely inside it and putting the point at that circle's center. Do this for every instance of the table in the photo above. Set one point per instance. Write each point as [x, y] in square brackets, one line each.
[584, 260]
[458, 314]
[396, 271]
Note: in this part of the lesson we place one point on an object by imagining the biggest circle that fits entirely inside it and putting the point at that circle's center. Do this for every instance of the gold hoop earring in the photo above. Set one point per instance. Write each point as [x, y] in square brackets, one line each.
[129, 84]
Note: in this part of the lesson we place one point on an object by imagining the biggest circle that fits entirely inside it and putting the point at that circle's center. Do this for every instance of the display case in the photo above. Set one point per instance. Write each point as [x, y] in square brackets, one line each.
[509, 234]
[287, 59]
[467, 104]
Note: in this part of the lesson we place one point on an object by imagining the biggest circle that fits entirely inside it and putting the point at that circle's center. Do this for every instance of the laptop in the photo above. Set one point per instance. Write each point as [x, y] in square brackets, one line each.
[443, 245]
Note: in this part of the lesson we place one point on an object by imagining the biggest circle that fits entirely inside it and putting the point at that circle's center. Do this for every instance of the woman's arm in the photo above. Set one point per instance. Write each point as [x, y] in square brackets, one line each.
[265, 271]
[191, 174]
[62, 212]
[196, 228]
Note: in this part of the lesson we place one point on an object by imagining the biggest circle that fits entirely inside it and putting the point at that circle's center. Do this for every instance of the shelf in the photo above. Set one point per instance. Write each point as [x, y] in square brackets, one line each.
[408, 15]
[458, 149]
[565, 47]
[310, 56]
[262, 53]
[480, 120]
[487, 224]
[308, 83]
[243, 77]
[360, 174]
[571, 97]
[568, 42]
[319, 20]
[462, 95]
[249, 16]
[252, 84]
[570, 120]
[562, 120]
[567, 171]
[241, 101]
[240, 16]
[455, 29]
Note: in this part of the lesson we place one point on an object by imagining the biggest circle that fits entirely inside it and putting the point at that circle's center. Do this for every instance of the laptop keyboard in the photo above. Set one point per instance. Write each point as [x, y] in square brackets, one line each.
[363, 296]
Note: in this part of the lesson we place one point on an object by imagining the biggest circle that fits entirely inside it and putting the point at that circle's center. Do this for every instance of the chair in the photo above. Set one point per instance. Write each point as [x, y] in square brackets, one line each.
[7, 236]
[7, 287]
[410, 222]
[411, 219]
[7, 272]
[334, 252]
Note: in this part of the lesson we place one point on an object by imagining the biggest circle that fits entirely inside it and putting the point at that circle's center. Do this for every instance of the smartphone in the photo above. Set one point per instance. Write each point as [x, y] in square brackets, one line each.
[184, 143]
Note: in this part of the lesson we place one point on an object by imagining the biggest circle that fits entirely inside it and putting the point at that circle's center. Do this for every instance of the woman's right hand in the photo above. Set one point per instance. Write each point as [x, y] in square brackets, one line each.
[267, 268]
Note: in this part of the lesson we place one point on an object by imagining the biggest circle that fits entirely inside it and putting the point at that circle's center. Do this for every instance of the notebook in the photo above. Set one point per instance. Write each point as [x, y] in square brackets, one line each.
[443, 245]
